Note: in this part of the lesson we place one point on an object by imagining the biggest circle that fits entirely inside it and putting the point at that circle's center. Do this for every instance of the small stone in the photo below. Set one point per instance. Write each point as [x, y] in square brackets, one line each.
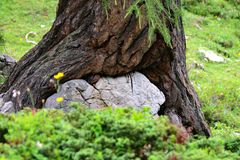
[6, 107]
[39, 144]
[237, 134]
[198, 65]
[6, 58]
[211, 56]
[6, 64]
[1, 102]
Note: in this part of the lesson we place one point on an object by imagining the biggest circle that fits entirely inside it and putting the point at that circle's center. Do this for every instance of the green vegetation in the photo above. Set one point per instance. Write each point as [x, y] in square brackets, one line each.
[1, 40]
[106, 134]
[219, 8]
[84, 133]
[156, 23]
[21, 17]
[211, 24]
[218, 84]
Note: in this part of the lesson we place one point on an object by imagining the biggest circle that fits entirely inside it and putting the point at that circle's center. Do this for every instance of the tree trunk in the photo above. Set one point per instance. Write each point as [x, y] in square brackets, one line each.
[83, 42]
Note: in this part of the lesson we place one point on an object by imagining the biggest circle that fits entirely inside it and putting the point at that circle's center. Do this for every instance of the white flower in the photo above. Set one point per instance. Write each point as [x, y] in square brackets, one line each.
[14, 93]
[39, 144]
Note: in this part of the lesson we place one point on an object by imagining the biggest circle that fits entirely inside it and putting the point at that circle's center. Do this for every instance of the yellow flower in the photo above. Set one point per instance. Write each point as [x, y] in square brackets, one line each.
[59, 99]
[59, 75]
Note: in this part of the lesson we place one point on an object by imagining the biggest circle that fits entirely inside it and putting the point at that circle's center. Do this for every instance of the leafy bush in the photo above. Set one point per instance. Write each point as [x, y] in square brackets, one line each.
[118, 134]
[86, 134]
[105, 134]
[30, 135]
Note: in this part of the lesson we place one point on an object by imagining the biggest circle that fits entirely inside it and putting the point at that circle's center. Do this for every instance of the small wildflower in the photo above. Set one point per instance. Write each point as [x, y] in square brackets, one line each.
[59, 75]
[59, 99]
[52, 81]
[39, 144]
[34, 111]
[14, 93]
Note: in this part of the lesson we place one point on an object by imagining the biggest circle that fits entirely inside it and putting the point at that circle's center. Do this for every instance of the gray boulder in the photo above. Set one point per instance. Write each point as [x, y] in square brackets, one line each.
[133, 90]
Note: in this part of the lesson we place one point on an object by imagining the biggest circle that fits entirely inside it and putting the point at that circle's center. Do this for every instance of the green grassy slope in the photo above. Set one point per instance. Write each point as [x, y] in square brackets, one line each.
[19, 17]
[214, 25]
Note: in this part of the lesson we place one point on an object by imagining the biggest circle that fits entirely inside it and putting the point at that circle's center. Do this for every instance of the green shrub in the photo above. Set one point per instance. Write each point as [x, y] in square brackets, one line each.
[85, 134]
[222, 145]
[118, 134]
[105, 134]
[32, 136]
[233, 145]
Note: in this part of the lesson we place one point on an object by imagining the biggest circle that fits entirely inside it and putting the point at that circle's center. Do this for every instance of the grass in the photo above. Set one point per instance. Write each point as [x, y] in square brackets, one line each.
[218, 84]
[212, 25]
[19, 17]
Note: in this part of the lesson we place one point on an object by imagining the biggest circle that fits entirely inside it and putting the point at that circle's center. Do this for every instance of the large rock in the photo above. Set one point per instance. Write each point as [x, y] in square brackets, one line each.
[131, 90]
[75, 91]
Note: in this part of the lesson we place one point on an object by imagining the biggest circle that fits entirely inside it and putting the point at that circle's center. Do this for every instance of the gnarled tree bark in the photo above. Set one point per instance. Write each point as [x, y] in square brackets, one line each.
[83, 42]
